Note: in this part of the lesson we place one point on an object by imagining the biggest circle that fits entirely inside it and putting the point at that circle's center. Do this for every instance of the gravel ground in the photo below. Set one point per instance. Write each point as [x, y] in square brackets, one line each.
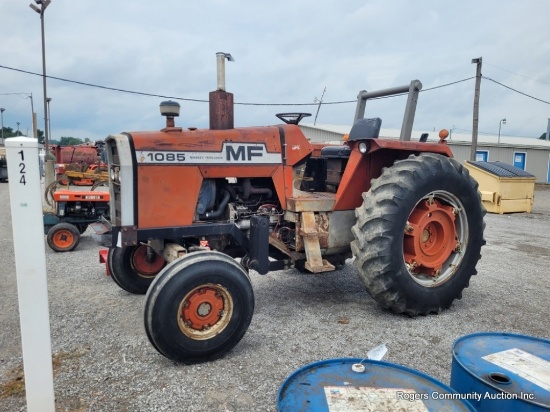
[104, 362]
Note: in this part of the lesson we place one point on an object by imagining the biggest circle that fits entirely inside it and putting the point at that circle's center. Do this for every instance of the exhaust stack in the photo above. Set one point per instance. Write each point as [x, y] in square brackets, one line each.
[221, 102]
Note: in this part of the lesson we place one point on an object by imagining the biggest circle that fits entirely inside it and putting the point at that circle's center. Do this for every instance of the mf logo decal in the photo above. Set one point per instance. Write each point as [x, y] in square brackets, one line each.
[243, 153]
[247, 153]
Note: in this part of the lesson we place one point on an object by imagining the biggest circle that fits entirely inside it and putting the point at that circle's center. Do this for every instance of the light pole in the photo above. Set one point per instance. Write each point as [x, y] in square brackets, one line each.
[49, 172]
[2, 117]
[17, 128]
[33, 114]
[49, 99]
[502, 121]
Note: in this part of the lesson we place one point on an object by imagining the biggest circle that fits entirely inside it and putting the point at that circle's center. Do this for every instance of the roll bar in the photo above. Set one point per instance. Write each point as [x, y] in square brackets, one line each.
[408, 119]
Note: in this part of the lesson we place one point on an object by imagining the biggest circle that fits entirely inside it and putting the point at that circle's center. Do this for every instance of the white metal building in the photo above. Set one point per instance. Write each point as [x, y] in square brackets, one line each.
[529, 154]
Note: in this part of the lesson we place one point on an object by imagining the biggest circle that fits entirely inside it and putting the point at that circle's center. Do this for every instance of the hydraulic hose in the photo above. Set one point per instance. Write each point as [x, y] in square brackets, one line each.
[218, 212]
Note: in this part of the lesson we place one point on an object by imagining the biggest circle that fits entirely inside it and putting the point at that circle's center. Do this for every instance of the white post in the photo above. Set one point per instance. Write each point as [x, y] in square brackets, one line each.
[32, 287]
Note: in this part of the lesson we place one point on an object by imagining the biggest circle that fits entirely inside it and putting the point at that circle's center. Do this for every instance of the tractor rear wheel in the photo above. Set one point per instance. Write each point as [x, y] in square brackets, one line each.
[199, 307]
[419, 234]
[63, 237]
[132, 269]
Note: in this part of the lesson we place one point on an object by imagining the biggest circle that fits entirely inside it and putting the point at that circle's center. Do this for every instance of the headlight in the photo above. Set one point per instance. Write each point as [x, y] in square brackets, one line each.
[363, 147]
[115, 174]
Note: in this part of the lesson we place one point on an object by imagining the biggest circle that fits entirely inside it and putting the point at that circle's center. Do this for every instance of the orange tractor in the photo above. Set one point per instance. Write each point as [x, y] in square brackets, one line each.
[73, 211]
[193, 211]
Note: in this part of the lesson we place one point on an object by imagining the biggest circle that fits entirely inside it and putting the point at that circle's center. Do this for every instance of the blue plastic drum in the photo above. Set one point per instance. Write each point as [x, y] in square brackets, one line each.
[502, 371]
[354, 385]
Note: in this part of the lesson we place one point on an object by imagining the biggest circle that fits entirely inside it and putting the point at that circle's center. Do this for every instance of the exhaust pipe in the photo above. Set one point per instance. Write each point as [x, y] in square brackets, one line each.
[221, 102]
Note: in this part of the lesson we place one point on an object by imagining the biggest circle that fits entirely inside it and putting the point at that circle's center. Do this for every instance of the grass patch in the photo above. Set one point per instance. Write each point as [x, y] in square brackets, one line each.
[15, 378]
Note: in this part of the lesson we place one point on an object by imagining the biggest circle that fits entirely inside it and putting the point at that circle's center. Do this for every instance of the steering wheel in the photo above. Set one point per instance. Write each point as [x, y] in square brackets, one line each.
[292, 118]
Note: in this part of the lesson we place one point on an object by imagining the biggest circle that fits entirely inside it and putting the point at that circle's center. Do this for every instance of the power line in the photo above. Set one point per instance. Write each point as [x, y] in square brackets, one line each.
[517, 74]
[104, 87]
[206, 101]
[517, 91]
[404, 94]
[448, 84]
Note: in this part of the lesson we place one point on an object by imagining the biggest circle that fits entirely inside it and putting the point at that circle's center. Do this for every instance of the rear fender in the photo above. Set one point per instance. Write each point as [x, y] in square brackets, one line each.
[362, 168]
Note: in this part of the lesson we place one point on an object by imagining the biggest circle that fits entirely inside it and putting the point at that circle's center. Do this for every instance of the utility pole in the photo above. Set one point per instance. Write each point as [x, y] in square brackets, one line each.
[320, 103]
[2, 110]
[476, 109]
[49, 159]
[34, 121]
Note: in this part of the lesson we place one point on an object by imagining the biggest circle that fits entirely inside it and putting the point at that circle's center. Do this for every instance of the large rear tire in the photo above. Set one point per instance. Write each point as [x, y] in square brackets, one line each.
[199, 307]
[419, 234]
[131, 270]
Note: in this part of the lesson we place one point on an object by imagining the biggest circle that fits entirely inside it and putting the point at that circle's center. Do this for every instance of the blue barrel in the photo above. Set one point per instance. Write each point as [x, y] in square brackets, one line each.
[506, 372]
[365, 385]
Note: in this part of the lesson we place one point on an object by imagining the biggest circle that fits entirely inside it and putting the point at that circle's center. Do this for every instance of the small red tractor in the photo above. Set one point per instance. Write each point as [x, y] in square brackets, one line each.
[193, 211]
[74, 211]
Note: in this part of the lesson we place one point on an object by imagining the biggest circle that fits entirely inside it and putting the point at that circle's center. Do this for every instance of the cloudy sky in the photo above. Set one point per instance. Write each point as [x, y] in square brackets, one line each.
[285, 52]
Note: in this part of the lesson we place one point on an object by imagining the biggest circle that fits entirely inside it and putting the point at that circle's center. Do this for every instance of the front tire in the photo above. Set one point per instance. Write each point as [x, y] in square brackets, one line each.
[63, 237]
[131, 270]
[199, 307]
[419, 234]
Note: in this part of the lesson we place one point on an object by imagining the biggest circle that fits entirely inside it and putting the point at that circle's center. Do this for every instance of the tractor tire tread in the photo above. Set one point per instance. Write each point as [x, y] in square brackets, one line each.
[375, 231]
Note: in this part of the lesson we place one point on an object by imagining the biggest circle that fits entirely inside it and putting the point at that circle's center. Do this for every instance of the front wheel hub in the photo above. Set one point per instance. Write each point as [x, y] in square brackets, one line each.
[205, 311]
[63, 238]
[430, 237]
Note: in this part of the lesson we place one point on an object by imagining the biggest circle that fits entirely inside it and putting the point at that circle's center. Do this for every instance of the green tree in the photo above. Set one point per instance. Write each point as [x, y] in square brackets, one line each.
[70, 141]
[9, 132]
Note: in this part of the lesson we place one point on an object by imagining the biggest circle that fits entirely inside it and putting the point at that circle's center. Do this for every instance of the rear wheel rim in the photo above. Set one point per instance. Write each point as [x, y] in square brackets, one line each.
[143, 267]
[63, 238]
[205, 311]
[434, 237]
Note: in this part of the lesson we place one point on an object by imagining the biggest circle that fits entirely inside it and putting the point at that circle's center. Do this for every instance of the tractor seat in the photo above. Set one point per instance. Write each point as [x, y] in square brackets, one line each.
[365, 129]
[335, 152]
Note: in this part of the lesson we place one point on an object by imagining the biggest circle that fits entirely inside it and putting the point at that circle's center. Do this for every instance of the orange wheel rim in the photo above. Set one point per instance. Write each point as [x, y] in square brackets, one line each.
[430, 237]
[63, 238]
[143, 266]
[205, 311]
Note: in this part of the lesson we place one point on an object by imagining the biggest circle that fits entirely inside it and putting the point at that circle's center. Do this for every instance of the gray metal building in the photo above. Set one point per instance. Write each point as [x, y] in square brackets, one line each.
[529, 154]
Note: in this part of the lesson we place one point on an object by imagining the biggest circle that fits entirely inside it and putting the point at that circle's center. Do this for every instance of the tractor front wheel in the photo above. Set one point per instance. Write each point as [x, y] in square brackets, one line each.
[199, 307]
[133, 269]
[419, 234]
[63, 237]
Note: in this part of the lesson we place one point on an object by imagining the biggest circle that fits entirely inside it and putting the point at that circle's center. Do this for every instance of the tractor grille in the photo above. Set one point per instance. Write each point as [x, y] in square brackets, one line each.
[114, 187]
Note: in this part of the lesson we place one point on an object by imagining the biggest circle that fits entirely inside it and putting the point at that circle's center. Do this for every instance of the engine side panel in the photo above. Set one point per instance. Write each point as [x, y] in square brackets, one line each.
[167, 195]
